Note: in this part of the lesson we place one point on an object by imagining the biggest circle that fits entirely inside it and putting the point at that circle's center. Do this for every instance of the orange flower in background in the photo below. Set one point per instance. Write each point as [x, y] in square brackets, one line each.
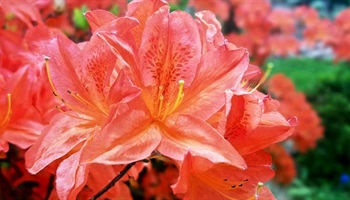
[307, 15]
[282, 20]
[294, 103]
[283, 164]
[323, 30]
[342, 20]
[283, 45]
[341, 42]
[341, 48]
[219, 7]
[250, 14]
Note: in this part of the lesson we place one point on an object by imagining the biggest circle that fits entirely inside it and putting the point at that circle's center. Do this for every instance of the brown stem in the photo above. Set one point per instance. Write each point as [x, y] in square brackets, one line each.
[50, 187]
[111, 184]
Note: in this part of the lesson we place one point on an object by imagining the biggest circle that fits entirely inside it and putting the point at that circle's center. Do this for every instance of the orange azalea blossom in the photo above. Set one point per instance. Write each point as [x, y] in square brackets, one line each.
[342, 20]
[181, 87]
[21, 115]
[306, 15]
[250, 14]
[283, 45]
[92, 95]
[220, 7]
[282, 20]
[283, 164]
[323, 30]
[294, 103]
[202, 179]
[253, 121]
[341, 42]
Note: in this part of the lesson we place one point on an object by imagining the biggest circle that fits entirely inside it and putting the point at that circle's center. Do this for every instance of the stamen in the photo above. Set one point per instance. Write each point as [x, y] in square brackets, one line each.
[49, 77]
[161, 99]
[8, 112]
[80, 98]
[260, 186]
[166, 110]
[263, 79]
[258, 190]
[180, 95]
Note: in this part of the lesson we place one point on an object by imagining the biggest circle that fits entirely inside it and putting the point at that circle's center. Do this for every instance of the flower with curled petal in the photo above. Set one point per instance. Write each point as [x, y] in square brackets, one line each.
[181, 86]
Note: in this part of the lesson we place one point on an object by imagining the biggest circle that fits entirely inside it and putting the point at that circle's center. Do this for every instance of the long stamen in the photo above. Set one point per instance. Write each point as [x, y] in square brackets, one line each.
[49, 77]
[8, 112]
[263, 79]
[180, 95]
[80, 98]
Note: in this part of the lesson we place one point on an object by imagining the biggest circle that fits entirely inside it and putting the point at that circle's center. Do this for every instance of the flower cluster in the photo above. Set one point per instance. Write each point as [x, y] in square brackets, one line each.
[152, 84]
[294, 103]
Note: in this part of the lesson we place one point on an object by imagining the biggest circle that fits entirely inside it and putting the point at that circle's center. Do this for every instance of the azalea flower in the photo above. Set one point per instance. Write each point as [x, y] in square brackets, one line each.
[253, 122]
[294, 103]
[20, 120]
[180, 87]
[283, 164]
[92, 97]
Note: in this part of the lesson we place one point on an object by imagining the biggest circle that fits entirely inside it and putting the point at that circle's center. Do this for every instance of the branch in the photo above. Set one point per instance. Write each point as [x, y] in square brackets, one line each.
[111, 184]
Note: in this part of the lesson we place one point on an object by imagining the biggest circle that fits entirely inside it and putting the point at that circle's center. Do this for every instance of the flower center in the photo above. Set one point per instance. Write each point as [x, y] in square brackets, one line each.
[165, 106]
[8, 114]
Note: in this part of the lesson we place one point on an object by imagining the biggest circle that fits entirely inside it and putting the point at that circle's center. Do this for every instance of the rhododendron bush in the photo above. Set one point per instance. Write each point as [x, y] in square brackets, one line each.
[138, 100]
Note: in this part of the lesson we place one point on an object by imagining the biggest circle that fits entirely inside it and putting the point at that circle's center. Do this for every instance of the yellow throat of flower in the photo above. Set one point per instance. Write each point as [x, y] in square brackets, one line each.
[166, 107]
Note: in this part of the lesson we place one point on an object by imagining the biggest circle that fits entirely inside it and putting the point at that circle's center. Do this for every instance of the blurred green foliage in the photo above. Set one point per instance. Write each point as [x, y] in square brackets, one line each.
[79, 18]
[327, 87]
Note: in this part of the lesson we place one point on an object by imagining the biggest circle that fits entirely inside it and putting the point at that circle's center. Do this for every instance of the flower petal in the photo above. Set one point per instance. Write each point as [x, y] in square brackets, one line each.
[218, 71]
[71, 177]
[128, 138]
[243, 117]
[98, 18]
[192, 134]
[170, 49]
[56, 140]
[141, 10]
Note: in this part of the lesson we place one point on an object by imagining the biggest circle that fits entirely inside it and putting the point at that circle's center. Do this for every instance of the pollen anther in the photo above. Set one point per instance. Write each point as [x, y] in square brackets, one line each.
[180, 95]
[164, 110]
